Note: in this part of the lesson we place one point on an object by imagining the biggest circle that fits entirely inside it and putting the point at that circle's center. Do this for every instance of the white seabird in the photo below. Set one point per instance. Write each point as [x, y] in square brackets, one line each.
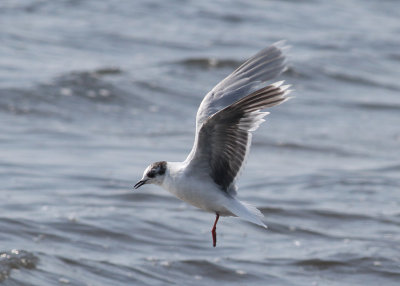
[224, 122]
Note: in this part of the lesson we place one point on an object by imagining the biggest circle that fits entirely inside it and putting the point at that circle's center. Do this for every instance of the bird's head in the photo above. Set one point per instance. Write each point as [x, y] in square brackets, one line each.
[154, 174]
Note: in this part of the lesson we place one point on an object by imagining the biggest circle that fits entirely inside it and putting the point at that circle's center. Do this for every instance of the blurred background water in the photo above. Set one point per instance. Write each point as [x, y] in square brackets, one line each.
[91, 92]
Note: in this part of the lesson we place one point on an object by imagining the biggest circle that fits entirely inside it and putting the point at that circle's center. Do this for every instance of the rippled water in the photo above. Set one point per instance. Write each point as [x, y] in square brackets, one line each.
[91, 92]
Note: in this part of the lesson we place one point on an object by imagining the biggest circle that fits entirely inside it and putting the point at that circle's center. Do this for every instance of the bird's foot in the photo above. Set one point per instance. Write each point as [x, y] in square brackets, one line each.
[214, 237]
[214, 231]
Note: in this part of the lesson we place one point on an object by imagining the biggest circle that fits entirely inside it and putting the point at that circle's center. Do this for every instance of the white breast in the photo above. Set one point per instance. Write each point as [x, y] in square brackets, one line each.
[199, 192]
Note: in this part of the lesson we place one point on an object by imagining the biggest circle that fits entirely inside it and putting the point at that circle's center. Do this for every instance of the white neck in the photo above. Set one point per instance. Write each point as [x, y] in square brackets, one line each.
[173, 175]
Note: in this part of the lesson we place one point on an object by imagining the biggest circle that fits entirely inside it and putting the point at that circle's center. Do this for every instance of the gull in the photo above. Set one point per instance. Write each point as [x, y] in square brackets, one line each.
[224, 122]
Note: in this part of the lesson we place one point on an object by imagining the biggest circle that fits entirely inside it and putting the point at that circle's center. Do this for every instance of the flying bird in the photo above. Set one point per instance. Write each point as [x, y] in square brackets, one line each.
[224, 122]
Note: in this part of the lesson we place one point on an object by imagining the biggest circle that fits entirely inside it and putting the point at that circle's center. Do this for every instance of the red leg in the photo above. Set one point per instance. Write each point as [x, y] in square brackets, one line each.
[213, 231]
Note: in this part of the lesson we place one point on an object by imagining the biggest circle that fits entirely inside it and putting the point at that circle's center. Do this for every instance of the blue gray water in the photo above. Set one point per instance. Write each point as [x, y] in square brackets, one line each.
[91, 92]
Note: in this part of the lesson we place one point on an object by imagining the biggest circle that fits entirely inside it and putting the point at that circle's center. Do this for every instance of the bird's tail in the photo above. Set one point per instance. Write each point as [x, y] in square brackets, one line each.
[246, 211]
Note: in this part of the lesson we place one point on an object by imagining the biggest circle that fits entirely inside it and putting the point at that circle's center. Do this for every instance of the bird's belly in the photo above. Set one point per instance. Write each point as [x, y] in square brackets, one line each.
[208, 198]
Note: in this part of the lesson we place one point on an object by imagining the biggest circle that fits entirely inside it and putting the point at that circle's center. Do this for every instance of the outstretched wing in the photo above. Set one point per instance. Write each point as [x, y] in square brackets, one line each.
[263, 66]
[224, 138]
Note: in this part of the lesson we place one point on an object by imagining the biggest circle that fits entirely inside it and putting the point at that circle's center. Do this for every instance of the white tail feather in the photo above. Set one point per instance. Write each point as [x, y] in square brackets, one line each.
[246, 211]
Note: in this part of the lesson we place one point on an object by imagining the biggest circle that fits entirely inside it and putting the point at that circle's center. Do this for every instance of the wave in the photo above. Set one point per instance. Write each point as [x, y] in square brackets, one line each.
[86, 84]
[395, 57]
[366, 264]
[209, 63]
[76, 92]
[112, 273]
[388, 168]
[16, 259]
[306, 72]
[296, 146]
[377, 106]
[360, 80]
[296, 73]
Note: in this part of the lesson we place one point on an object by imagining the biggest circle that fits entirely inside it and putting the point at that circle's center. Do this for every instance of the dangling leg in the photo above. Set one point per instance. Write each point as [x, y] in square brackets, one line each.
[213, 231]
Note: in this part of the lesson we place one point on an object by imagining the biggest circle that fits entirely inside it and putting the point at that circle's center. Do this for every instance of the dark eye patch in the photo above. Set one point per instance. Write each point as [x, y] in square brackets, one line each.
[157, 168]
[151, 174]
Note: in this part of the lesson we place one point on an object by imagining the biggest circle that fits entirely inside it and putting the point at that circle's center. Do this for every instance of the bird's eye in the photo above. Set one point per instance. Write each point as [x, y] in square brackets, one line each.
[151, 174]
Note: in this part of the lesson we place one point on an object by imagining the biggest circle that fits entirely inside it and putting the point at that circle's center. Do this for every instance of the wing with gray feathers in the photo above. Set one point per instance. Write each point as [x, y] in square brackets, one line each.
[263, 66]
[224, 138]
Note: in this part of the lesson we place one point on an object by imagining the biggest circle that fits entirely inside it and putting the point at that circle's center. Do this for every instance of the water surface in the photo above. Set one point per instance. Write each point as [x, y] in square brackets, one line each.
[91, 92]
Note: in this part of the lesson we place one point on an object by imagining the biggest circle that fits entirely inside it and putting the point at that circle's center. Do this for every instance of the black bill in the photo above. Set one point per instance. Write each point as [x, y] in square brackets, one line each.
[139, 184]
